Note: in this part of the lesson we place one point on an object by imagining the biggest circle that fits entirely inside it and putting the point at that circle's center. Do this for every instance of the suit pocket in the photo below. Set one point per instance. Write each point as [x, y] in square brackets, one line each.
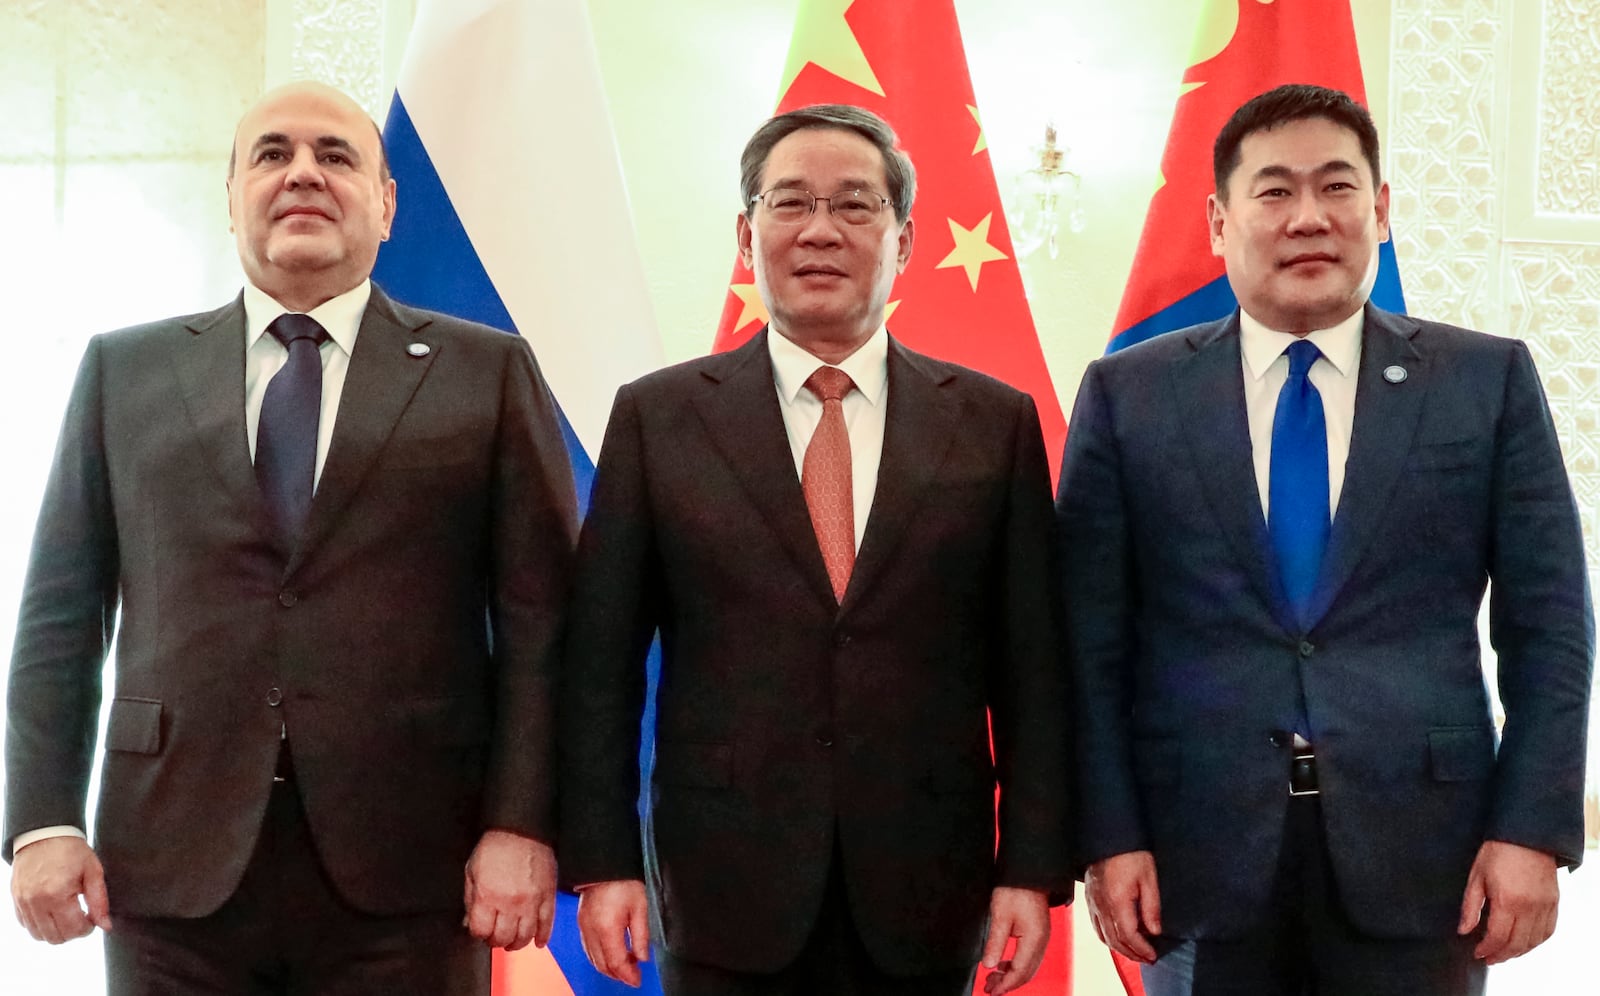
[1461, 753]
[134, 726]
[694, 765]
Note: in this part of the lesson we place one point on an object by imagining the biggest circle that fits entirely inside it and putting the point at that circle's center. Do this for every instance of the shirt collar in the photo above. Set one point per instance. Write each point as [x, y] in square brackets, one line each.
[868, 366]
[340, 316]
[1340, 345]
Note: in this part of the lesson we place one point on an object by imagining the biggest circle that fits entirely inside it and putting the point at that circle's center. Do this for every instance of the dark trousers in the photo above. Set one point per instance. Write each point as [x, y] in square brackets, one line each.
[286, 932]
[1306, 946]
[833, 962]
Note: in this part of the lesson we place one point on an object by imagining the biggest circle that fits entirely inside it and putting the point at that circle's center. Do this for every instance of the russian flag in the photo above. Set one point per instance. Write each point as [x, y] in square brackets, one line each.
[1243, 48]
[513, 212]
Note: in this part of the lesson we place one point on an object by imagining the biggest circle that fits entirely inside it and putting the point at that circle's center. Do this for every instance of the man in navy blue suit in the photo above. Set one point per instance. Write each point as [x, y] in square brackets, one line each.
[1279, 529]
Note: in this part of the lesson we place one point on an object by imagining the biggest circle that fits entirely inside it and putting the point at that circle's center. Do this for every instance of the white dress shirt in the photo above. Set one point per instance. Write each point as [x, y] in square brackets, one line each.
[865, 409]
[264, 356]
[1334, 376]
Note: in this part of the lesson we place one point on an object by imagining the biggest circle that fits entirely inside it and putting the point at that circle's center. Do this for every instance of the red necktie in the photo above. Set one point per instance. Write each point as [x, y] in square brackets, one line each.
[825, 478]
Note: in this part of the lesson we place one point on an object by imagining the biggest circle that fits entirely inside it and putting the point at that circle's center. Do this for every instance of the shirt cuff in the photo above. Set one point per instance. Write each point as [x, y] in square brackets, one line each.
[45, 833]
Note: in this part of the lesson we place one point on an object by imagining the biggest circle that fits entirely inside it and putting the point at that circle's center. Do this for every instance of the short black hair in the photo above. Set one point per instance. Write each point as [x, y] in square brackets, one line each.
[1280, 106]
[897, 169]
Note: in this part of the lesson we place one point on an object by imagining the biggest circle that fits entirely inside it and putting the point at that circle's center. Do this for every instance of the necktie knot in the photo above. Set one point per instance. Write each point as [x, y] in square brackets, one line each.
[1302, 353]
[829, 383]
[288, 327]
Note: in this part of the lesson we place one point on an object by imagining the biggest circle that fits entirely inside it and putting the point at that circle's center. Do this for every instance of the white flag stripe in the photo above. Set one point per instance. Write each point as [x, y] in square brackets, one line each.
[507, 99]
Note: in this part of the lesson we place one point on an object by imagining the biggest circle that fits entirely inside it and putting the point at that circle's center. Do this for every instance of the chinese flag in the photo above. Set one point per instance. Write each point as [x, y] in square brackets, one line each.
[961, 298]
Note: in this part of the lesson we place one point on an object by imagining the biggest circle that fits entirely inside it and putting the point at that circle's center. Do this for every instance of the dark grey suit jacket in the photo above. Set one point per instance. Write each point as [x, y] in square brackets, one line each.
[408, 643]
[1188, 665]
[783, 718]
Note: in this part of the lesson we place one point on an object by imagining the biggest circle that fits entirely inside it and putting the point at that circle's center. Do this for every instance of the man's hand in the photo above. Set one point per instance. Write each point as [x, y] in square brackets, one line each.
[1025, 915]
[47, 877]
[1123, 898]
[1519, 884]
[606, 912]
[510, 890]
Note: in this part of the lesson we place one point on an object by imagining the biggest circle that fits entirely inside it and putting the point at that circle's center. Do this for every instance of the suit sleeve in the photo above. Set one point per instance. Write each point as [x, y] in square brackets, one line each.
[1100, 597]
[533, 529]
[1028, 703]
[1541, 624]
[64, 627]
[603, 688]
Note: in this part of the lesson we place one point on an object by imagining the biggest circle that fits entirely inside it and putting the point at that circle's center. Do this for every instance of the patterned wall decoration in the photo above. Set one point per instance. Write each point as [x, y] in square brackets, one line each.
[341, 42]
[1445, 217]
[1569, 147]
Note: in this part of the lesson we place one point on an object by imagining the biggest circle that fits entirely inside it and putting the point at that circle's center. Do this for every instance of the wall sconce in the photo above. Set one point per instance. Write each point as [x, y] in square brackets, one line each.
[1041, 196]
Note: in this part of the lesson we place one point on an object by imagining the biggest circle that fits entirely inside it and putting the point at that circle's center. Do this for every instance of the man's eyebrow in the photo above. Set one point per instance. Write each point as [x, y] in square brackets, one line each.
[849, 183]
[1280, 172]
[335, 142]
[276, 138]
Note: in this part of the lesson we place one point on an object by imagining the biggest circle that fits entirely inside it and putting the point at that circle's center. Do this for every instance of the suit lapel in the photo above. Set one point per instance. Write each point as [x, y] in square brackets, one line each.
[380, 382]
[739, 408]
[917, 433]
[209, 365]
[1209, 387]
[1385, 423]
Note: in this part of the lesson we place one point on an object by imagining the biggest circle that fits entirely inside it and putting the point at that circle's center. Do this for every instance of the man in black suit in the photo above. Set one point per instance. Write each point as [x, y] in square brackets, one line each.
[846, 548]
[339, 534]
[1281, 526]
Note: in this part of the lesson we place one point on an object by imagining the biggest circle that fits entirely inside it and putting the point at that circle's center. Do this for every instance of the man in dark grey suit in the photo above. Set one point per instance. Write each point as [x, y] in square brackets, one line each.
[1279, 529]
[848, 580]
[338, 531]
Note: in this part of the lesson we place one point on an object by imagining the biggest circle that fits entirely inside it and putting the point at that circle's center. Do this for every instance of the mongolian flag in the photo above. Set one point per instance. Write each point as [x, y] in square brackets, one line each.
[506, 199]
[1243, 48]
[961, 296]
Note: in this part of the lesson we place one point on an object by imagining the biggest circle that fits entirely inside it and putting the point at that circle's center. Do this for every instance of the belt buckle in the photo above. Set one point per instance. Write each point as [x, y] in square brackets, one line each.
[1305, 761]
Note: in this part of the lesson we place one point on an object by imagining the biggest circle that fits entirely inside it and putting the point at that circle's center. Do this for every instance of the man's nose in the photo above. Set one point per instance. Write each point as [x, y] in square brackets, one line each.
[304, 170]
[1309, 214]
[821, 227]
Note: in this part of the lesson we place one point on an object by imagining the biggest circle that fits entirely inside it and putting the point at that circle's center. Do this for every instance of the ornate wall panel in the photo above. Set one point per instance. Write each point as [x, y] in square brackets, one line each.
[1569, 115]
[1443, 176]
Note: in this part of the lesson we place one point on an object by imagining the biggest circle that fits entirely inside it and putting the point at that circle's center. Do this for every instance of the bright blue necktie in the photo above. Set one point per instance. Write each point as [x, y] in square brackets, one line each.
[286, 435]
[1297, 502]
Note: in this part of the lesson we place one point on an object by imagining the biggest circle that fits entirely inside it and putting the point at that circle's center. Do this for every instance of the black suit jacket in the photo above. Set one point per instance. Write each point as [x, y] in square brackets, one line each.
[408, 644]
[1189, 666]
[785, 719]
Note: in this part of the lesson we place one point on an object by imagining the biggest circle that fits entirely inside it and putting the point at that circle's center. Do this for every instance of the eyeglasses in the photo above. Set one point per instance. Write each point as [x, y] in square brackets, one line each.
[792, 205]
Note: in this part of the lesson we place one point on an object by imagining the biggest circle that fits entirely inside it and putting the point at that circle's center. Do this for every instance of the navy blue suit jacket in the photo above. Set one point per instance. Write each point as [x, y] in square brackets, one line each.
[1188, 664]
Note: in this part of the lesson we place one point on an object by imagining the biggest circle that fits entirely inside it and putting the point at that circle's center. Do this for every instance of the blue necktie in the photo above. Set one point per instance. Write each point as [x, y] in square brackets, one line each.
[1297, 501]
[286, 435]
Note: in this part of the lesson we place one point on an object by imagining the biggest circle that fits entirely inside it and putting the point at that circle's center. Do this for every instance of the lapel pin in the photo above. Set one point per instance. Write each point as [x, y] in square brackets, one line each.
[1394, 375]
[420, 349]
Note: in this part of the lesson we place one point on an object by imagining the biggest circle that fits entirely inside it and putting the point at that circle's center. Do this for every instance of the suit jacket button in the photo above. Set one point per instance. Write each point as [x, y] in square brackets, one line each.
[841, 639]
[274, 697]
[1307, 648]
[287, 598]
[1278, 738]
[825, 737]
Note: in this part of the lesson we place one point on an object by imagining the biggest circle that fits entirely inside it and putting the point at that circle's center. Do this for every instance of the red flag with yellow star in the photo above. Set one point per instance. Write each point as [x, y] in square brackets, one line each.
[960, 298]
